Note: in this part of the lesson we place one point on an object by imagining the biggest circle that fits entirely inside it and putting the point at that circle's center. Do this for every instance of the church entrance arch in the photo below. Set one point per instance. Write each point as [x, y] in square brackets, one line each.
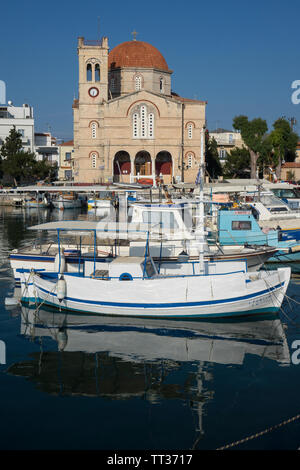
[122, 166]
[142, 163]
[163, 165]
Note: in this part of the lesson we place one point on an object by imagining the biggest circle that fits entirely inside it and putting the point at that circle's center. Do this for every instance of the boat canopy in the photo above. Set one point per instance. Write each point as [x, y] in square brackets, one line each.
[105, 230]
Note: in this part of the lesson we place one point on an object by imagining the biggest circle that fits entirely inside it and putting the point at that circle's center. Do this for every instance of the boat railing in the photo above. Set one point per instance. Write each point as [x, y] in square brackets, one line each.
[155, 276]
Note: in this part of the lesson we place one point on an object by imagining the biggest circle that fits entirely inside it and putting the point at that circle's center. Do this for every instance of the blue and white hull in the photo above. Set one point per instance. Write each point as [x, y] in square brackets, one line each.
[220, 295]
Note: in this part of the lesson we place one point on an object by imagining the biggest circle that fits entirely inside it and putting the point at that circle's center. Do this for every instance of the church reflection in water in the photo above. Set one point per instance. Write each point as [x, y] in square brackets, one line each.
[123, 358]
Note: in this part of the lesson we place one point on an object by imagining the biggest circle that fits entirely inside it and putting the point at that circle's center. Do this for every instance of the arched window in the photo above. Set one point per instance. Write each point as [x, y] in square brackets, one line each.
[143, 124]
[135, 125]
[97, 73]
[190, 160]
[94, 130]
[89, 72]
[94, 160]
[161, 85]
[138, 83]
[151, 125]
[143, 121]
[190, 130]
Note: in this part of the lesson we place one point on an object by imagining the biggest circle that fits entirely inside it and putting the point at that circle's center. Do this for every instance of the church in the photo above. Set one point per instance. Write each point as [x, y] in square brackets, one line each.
[129, 126]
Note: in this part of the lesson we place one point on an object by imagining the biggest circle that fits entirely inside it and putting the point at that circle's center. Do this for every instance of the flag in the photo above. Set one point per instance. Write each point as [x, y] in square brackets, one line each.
[197, 181]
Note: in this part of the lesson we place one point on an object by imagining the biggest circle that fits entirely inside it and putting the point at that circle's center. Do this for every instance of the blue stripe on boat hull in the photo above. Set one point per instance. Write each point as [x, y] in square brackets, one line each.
[261, 311]
[167, 305]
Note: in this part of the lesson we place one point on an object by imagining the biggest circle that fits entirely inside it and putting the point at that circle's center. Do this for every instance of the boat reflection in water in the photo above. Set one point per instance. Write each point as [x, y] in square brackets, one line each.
[122, 358]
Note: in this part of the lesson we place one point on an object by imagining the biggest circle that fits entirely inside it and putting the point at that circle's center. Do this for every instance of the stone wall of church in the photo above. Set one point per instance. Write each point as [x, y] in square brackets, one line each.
[115, 134]
[125, 81]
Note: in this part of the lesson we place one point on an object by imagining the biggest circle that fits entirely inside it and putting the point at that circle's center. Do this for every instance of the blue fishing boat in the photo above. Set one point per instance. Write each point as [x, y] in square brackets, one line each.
[238, 226]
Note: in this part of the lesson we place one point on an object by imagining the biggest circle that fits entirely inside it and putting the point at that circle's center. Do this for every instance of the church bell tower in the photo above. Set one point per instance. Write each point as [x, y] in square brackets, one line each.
[88, 161]
[93, 73]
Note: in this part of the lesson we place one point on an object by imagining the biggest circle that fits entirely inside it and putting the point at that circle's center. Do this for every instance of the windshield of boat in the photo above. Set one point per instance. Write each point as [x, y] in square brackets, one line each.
[287, 193]
[273, 203]
[165, 219]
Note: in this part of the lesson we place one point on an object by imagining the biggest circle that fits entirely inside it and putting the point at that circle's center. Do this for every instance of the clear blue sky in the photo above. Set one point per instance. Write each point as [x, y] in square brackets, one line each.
[239, 56]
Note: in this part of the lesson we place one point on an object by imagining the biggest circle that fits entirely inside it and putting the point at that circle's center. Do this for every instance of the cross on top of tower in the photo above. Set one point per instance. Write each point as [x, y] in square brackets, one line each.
[134, 33]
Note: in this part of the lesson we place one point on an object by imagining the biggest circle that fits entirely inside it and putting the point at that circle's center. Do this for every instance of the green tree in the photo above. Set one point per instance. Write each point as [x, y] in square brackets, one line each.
[290, 175]
[45, 171]
[213, 165]
[237, 164]
[283, 142]
[16, 162]
[254, 136]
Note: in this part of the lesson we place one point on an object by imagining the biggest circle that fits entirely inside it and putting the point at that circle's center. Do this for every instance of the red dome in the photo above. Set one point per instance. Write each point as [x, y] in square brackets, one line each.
[136, 54]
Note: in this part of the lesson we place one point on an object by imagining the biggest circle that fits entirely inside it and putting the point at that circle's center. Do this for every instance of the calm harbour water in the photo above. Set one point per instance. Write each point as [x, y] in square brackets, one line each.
[83, 382]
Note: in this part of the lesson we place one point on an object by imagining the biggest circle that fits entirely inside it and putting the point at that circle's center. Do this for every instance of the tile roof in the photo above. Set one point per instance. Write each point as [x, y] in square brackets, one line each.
[69, 143]
[136, 54]
[291, 165]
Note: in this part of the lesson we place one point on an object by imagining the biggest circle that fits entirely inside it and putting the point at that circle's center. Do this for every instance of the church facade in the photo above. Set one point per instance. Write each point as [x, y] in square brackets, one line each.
[128, 124]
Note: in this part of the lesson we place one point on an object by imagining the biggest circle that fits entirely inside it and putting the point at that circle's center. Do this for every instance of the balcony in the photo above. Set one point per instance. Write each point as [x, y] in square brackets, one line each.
[224, 141]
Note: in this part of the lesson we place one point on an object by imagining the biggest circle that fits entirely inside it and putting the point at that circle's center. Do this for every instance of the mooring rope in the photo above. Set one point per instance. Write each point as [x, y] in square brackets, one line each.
[258, 434]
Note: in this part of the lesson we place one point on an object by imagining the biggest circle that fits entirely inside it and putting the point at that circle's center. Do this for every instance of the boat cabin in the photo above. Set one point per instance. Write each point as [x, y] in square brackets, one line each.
[290, 196]
[240, 227]
[170, 218]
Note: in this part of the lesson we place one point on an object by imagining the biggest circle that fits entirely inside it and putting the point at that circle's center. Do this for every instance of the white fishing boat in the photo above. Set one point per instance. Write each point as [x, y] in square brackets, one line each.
[67, 201]
[95, 203]
[36, 202]
[140, 286]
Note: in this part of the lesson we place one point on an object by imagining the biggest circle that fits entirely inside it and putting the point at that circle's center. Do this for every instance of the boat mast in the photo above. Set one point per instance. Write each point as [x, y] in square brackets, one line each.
[200, 231]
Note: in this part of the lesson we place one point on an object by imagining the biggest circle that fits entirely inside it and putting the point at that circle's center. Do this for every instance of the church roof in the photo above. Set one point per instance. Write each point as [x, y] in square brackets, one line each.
[136, 54]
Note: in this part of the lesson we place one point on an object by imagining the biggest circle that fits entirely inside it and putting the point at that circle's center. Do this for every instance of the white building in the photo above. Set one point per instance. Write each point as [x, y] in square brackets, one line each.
[43, 145]
[46, 147]
[22, 118]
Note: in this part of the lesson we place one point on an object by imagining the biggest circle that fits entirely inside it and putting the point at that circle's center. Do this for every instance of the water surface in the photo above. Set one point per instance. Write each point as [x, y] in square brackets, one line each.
[87, 382]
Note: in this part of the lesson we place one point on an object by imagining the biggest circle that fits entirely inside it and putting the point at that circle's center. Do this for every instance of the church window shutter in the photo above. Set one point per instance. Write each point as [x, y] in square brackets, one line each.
[138, 83]
[94, 160]
[190, 131]
[143, 121]
[151, 125]
[135, 125]
[190, 160]
[94, 130]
